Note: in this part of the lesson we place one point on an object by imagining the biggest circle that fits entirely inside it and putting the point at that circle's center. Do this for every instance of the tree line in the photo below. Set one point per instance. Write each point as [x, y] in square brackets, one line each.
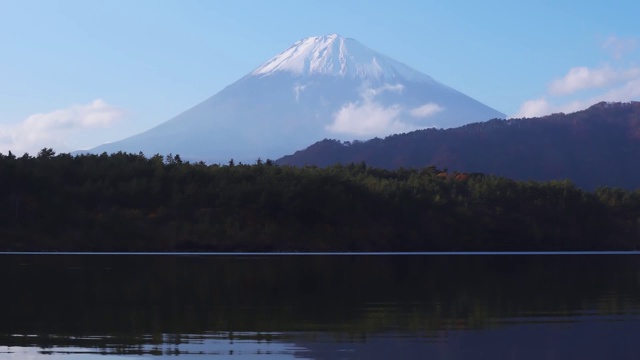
[130, 202]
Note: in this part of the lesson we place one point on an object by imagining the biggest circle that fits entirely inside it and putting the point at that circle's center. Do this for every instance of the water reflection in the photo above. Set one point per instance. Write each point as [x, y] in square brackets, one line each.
[321, 307]
[245, 345]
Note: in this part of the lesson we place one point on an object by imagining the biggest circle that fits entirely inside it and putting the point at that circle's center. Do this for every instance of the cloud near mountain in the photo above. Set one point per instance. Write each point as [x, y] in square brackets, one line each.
[367, 117]
[619, 85]
[370, 118]
[426, 110]
[58, 128]
[582, 86]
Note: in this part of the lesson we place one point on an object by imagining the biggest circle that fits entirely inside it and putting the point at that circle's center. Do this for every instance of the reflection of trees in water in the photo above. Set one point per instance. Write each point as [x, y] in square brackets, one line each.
[211, 343]
[138, 298]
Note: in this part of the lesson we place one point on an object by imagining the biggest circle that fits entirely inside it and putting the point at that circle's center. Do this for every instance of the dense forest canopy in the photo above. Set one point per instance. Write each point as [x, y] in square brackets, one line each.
[129, 202]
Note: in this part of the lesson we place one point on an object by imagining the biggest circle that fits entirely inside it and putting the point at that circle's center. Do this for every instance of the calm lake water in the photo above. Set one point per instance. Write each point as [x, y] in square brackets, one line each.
[320, 307]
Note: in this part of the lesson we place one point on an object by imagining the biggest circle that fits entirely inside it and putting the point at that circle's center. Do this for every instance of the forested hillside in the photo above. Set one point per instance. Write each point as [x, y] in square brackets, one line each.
[599, 146]
[128, 202]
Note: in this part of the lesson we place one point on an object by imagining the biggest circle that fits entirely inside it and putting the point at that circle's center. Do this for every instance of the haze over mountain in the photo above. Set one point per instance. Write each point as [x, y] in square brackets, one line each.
[323, 86]
[599, 146]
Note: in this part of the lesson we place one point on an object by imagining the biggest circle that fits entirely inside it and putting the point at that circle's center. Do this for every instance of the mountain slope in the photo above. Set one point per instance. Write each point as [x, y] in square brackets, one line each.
[326, 86]
[599, 146]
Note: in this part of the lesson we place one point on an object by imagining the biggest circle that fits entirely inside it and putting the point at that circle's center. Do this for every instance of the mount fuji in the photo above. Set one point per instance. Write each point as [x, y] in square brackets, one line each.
[321, 87]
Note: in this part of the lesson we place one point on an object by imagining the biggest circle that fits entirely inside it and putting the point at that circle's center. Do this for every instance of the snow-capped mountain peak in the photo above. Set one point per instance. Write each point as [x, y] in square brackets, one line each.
[321, 87]
[337, 56]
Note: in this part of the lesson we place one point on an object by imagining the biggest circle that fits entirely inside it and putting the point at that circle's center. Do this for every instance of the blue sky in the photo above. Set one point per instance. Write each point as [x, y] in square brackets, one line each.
[75, 74]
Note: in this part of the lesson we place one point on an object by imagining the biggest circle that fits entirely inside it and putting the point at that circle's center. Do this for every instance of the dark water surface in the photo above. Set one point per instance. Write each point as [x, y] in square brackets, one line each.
[566, 306]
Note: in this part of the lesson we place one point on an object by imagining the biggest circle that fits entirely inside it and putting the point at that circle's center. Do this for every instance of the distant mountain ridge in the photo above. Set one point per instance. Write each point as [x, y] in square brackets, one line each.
[322, 86]
[599, 146]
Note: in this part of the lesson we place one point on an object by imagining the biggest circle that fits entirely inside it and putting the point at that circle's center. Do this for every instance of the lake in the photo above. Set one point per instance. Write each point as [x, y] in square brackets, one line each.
[418, 306]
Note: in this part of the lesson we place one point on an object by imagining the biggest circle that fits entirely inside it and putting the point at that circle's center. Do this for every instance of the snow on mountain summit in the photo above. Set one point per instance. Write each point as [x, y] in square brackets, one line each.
[337, 56]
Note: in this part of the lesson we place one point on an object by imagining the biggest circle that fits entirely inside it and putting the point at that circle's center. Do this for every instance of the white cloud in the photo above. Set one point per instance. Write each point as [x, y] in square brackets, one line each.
[629, 91]
[56, 129]
[370, 93]
[606, 83]
[619, 46]
[426, 110]
[368, 117]
[581, 78]
[534, 108]
[297, 89]
[584, 86]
